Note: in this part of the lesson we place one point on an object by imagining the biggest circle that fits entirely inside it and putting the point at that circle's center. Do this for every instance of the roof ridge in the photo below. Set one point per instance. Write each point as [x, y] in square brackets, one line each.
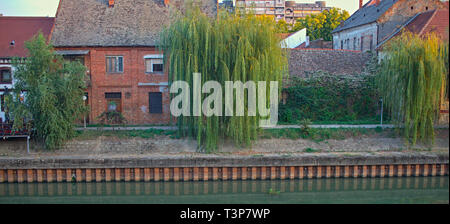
[26, 17]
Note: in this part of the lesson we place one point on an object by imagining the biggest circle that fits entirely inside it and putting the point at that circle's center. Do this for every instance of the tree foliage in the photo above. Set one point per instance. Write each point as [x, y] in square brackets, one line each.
[413, 75]
[330, 97]
[283, 27]
[53, 91]
[229, 48]
[320, 25]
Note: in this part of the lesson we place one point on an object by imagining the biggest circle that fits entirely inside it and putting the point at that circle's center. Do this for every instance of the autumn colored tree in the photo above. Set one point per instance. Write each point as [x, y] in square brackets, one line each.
[320, 25]
[283, 27]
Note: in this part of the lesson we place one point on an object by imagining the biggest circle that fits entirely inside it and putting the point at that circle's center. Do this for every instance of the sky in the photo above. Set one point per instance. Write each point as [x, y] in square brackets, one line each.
[48, 7]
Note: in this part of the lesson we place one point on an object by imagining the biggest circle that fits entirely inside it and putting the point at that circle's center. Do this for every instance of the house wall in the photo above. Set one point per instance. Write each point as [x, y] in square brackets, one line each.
[401, 12]
[5, 85]
[351, 38]
[390, 21]
[134, 84]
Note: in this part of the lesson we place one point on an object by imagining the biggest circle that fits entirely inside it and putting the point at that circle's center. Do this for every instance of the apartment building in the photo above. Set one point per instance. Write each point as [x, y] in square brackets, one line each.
[290, 11]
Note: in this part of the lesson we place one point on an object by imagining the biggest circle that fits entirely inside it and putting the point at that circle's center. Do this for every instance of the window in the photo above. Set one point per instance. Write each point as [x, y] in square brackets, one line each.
[114, 64]
[113, 101]
[155, 102]
[362, 43]
[5, 75]
[73, 58]
[354, 43]
[342, 44]
[154, 65]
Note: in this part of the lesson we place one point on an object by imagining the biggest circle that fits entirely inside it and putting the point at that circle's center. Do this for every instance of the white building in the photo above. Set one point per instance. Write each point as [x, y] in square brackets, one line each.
[296, 39]
[377, 20]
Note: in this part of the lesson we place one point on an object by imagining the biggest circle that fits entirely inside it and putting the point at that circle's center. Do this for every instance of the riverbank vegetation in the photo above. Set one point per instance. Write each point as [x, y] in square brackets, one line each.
[53, 98]
[316, 134]
[413, 76]
[325, 98]
[229, 48]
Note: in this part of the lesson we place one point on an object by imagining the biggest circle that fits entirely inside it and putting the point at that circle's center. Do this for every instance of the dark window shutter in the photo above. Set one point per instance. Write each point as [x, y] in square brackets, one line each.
[155, 103]
[113, 95]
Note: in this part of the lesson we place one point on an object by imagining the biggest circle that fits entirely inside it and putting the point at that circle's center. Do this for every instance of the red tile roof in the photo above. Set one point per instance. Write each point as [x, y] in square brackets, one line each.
[435, 21]
[21, 29]
[431, 22]
[284, 35]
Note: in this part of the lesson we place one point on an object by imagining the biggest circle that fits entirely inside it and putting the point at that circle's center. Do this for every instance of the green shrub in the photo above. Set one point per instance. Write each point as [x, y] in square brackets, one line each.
[326, 97]
[111, 117]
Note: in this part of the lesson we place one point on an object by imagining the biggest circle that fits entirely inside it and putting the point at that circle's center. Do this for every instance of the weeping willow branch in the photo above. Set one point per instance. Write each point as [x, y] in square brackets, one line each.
[412, 77]
[226, 48]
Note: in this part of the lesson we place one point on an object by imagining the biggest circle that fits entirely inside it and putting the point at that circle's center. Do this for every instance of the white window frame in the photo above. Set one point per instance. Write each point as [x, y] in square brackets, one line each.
[151, 57]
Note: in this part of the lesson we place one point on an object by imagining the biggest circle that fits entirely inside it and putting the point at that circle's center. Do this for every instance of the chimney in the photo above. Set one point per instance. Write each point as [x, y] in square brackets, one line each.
[166, 2]
[360, 3]
[111, 3]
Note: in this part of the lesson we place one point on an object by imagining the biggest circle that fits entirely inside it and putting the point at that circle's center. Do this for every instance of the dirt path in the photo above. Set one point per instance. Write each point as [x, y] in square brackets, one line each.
[164, 145]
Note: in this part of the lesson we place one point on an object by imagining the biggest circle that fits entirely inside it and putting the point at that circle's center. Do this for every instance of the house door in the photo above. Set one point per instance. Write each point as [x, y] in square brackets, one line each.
[86, 103]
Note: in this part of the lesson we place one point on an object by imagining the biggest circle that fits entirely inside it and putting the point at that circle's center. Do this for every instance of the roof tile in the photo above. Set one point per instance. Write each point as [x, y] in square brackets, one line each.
[21, 29]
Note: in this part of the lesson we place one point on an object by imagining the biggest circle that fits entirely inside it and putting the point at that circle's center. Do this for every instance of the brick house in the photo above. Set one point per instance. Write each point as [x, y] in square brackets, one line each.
[117, 41]
[14, 32]
[376, 20]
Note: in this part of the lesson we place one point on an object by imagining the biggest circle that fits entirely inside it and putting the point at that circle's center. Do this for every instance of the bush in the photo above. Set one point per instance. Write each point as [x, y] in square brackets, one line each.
[111, 117]
[326, 97]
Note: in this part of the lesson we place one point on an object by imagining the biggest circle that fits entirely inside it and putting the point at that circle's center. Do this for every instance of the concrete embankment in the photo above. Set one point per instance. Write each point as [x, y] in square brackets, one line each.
[219, 167]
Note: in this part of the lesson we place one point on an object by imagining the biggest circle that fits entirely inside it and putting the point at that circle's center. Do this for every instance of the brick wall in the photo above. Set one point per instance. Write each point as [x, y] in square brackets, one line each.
[303, 61]
[135, 96]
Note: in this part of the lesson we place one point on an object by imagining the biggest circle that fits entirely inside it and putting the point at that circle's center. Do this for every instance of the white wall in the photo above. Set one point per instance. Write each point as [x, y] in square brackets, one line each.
[9, 86]
[295, 39]
[349, 36]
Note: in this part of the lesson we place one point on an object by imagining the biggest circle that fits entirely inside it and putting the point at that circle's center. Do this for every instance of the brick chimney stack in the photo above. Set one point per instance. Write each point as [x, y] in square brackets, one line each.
[360, 3]
[111, 3]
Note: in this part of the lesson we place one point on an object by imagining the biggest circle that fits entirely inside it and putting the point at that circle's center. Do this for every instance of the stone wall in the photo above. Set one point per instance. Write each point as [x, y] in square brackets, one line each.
[303, 61]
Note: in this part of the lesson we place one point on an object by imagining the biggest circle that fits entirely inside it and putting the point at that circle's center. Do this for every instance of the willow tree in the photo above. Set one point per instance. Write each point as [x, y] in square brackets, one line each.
[412, 77]
[225, 48]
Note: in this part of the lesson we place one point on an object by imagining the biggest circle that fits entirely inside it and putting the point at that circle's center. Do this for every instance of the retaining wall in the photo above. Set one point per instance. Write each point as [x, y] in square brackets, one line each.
[220, 168]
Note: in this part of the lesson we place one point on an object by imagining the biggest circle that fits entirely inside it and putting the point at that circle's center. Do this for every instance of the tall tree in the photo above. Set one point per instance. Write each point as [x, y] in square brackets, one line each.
[320, 25]
[48, 91]
[412, 77]
[229, 48]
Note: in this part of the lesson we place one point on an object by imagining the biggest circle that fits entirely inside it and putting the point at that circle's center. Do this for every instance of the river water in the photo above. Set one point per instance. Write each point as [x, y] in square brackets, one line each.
[403, 190]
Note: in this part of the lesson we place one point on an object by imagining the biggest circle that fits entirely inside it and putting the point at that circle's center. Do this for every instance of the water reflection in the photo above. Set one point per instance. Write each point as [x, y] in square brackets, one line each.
[344, 190]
